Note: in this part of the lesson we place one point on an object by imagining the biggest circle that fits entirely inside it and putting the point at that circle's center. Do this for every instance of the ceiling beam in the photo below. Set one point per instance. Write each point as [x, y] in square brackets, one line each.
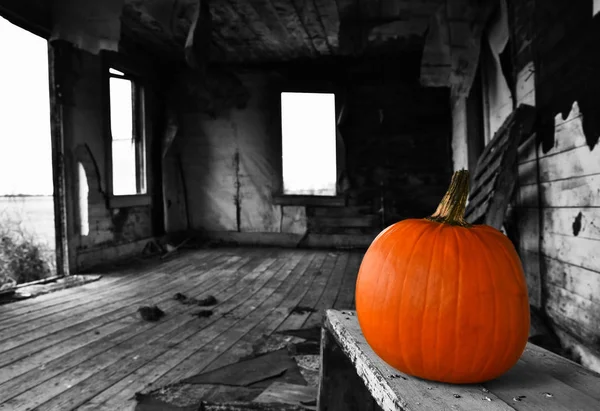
[308, 15]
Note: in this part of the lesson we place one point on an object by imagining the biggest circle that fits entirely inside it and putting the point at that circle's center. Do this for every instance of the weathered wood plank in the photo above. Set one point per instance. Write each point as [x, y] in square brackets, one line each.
[533, 275]
[330, 19]
[169, 333]
[68, 355]
[345, 299]
[405, 392]
[254, 308]
[332, 290]
[340, 387]
[409, 392]
[576, 192]
[290, 19]
[112, 356]
[311, 298]
[568, 135]
[577, 162]
[231, 327]
[577, 314]
[41, 327]
[528, 173]
[235, 32]
[39, 311]
[258, 17]
[122, 276]
[146, 375]
[527, 149]
[580, 252]
[309, 18]
[576, 280]
[555, 395]
[70, 332]
[581, 223]
[562, 369]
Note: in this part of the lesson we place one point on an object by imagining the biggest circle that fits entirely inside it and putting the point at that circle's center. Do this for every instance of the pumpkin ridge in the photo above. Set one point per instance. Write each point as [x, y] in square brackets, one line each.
[519, 279]
[493, 350]
[407, 269]
[511, 332]
[390, 253]
[477, 351]
[458, 300]
[516, 264]
[423, 325]
[439, 313]
[397, 229]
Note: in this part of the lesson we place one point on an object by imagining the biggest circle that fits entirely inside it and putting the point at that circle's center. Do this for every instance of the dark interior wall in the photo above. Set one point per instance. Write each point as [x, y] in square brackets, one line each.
[81, 80]
[396, 142]
[556, 209]
[397, 137]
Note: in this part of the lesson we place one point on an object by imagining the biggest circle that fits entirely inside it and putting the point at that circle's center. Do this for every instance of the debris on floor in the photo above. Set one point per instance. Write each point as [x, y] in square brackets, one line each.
[282, 373]
[309, 366]
[300, 309]
[151, 313]
[310, 334]
[259, 371]
[203, 313]
[45, 286]
[293, 394]
[184, 299]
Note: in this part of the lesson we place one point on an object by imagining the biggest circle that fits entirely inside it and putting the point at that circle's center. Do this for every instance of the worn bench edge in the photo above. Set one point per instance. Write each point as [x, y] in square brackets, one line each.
[375, 381]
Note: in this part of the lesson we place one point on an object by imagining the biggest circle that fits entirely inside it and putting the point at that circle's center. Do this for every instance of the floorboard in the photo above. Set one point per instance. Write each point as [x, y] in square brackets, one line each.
[87, 348]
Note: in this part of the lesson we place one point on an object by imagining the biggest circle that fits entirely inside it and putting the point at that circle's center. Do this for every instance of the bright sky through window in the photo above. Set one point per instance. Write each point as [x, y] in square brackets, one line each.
[26, 145]
[308, 143]
[123, 145]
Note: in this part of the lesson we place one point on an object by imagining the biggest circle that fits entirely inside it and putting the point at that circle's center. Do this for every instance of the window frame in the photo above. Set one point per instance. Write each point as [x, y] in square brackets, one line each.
[139, 130]
[281, 198]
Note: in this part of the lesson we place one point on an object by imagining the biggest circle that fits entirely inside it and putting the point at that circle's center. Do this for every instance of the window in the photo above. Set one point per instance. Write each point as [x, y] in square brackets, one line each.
[596, 7]
[127, 135]
[308, 144]
[84, 223]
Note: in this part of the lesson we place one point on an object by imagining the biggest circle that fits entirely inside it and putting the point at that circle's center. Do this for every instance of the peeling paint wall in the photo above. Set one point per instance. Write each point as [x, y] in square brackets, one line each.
[113, 233]
[226, 167]
[229, 167]
[554, 216]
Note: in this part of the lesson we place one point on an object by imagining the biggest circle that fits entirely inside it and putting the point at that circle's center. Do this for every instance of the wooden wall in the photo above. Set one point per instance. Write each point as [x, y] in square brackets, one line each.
[554, 217]
[113, 232]
[396, 142]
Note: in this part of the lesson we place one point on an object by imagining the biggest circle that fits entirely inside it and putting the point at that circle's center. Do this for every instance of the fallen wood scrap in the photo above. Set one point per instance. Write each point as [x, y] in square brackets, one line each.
[291, 394]
[249, 406]
[172, 249]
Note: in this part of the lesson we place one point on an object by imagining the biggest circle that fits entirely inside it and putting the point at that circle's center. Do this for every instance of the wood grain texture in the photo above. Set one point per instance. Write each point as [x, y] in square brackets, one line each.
[576, 192]
[539, 381]
[101, 361]
[403, 392]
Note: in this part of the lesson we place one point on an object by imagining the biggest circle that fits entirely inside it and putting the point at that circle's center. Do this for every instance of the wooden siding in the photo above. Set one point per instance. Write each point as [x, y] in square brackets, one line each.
[557, 205]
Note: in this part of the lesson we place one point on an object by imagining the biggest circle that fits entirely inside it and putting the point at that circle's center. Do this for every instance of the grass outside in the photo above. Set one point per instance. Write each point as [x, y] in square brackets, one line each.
[25, 255]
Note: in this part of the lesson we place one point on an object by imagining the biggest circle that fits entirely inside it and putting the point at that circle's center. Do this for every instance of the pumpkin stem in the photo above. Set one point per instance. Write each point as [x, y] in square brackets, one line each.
[452, 207]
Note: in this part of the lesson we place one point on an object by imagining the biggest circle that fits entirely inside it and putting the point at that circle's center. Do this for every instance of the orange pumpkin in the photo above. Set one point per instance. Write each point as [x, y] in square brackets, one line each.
[442, 300]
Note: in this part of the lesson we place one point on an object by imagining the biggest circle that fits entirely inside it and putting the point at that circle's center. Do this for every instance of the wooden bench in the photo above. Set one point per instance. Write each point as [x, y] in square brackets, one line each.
[354, 378]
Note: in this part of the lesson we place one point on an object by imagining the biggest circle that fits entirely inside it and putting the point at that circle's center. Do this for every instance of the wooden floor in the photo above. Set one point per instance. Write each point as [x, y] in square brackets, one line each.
[87, 348]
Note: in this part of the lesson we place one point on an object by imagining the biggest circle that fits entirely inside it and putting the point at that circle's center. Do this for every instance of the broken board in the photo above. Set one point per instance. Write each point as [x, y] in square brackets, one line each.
[496, 171]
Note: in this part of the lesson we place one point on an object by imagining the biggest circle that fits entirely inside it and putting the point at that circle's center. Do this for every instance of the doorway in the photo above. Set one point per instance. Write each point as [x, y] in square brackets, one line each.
[27, 216]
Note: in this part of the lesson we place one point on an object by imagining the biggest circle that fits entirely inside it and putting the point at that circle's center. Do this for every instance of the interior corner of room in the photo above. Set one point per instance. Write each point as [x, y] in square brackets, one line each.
[150, 145]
